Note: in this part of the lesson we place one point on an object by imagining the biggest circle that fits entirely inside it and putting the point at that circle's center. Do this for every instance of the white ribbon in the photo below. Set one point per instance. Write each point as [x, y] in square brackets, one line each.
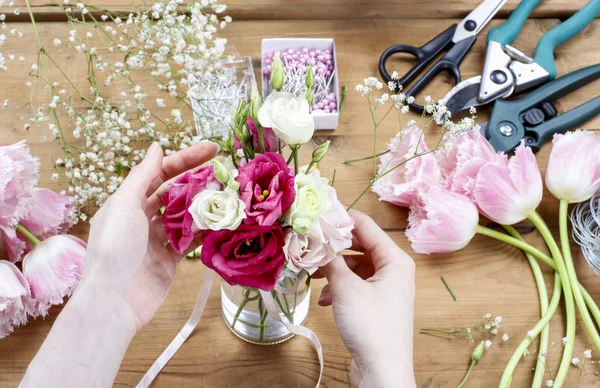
[191, 324]
[163, 359]
[293, 328]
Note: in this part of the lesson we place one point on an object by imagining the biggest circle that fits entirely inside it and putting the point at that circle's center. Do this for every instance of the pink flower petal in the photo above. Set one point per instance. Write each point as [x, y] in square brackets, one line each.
[50, 214]
[15, 301]
[11, 245]
[54, 268]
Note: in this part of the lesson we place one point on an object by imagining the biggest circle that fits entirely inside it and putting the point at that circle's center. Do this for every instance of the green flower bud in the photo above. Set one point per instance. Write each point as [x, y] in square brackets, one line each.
[235, 185]
[320, 152]
[310, 97]
[277, 73]
[245, 133]
[478, 352]
[221, 172]
[255, 104]
[310, 78]
[230, 143]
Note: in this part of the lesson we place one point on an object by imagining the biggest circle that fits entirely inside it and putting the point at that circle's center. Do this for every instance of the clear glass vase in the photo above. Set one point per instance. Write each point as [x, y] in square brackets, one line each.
[246, 315]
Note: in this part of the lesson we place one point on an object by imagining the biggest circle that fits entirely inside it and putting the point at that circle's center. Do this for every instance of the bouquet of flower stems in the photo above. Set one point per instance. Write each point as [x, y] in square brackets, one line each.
[265, 223]
[449, 189]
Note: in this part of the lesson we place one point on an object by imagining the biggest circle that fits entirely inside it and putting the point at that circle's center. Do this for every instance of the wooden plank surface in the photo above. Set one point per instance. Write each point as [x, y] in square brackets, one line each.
[327, 9]
[487, 276]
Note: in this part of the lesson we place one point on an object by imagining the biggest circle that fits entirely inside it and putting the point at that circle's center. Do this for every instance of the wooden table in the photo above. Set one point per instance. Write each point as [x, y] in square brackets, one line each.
[487, 276]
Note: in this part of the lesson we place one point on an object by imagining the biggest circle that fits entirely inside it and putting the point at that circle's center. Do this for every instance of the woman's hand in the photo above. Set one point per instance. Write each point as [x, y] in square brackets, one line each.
[126, 250]
[372, 296]
[128, 271]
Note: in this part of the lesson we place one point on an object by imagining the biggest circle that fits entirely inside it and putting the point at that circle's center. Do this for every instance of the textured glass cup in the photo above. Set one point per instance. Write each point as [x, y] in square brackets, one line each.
[246, 315]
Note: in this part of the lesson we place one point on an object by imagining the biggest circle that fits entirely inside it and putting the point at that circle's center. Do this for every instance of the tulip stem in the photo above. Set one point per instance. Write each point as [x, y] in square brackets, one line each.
[27, 234]
[540, 368]
[566, 249]
[464, 380]
[541, 226]
[506, 379]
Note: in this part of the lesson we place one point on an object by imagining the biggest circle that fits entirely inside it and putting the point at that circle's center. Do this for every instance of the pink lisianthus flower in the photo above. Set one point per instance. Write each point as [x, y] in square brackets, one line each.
[18, 177]
[269, 137]
[54, 268]
[574, 166]
[177, 220]
[508, 191]
[402, 185]
[308, 252]
[441, 221]
[266, 187]
[251, 256]
[15, 298]
[461, 162]
[336, 224]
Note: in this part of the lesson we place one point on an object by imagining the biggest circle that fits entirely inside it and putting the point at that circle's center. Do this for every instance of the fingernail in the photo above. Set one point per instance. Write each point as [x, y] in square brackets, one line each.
[321, 297]
[211, 142]
[153, 148]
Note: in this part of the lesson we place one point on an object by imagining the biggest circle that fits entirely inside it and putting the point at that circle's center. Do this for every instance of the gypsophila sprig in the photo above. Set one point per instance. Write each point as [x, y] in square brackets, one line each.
[159, 51]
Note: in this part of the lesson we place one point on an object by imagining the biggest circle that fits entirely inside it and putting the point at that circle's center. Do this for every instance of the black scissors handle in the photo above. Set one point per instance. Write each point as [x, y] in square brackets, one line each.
[450, 62]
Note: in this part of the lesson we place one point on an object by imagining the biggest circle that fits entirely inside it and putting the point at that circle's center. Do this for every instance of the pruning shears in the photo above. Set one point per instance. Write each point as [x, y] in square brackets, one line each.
[534, 118]
[507, 69]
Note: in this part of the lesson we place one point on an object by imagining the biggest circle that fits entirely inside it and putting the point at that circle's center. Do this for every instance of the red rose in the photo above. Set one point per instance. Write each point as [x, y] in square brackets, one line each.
[266, 187]
[250, 256]
[177, 220]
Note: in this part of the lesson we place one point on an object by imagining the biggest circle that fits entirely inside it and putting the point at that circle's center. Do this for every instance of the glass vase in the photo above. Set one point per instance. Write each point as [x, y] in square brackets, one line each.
[245, 313]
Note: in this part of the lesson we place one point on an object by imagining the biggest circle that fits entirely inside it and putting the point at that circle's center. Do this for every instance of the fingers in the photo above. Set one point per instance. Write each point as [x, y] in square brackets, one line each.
[371, 237]
[336, 269]
[184, 160]
[173, 166]
[193, 246]
[141, 177]
[325, 297]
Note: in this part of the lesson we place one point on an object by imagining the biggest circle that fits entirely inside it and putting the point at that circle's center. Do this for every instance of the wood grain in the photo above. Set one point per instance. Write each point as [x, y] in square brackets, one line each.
[487, 276]
[325, 9]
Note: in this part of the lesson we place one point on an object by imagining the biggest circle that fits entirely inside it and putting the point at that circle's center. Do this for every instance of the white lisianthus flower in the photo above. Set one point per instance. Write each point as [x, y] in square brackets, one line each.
[217, 210]
[307, 252]
[289, 116]
[311, 201]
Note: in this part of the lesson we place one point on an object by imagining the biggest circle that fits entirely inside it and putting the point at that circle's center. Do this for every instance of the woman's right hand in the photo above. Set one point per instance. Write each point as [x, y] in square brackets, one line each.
[372, 296]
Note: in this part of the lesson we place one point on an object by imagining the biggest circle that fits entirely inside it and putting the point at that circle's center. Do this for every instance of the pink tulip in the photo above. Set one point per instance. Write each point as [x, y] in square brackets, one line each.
[574, 167]
[443, 221]
[54, 268]
[508, 191]
[18, 177]
[402, 186]
[15, 298]
[461, 162]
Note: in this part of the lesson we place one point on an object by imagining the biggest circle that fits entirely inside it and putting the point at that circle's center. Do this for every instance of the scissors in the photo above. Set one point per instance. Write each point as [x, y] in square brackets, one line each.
[457, 40]
[508, 70]
[534, 118]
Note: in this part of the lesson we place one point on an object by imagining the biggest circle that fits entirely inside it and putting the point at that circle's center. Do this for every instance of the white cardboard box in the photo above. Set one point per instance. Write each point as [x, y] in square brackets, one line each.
[322, 120]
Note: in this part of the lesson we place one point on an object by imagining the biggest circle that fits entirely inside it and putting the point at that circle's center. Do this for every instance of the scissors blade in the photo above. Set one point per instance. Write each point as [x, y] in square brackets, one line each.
[477, 19]
[464, 96]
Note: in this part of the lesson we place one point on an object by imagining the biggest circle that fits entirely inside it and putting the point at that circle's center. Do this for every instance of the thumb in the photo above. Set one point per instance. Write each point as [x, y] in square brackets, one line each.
[141, 176]
[336, 269]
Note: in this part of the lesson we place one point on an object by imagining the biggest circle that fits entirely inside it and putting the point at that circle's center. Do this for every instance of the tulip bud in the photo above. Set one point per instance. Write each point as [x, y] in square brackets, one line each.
[221, 172]
[277, 73]
[320, 152]
[255, 104]
[478, 352]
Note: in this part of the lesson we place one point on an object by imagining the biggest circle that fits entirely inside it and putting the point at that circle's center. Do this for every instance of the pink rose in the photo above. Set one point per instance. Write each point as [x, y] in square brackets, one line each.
[267, 188]
[336, 224]
[308, 252]
[250, 256]
[177, 220]
[269, 137]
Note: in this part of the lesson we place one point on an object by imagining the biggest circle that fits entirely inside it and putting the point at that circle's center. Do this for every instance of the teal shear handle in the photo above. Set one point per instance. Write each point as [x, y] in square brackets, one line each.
[544, 53]
[508, 32]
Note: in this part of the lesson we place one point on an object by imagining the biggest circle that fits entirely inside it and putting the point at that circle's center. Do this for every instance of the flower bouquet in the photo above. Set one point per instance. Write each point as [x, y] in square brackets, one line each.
[265, 226]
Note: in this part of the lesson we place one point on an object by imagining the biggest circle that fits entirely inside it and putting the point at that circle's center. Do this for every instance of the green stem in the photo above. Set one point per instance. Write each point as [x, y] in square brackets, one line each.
[506, 379]
[563, 369]
[261, 139]
[333, 177]
[263, 317]
[591, 304]
[464, 380]
[516, 243]
[365, 158]
[570, 268]
[240, 309]
[310, 165]
[538, 376]
[27, 234]
[296, 159]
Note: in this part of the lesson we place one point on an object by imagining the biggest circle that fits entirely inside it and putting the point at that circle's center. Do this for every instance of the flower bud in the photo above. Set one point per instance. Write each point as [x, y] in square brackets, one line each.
[255, 104]
[478, 352]
[320, 152]
[221, 172]
[277, 73]
[310, 78]
[310, 97]
[245, 133]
